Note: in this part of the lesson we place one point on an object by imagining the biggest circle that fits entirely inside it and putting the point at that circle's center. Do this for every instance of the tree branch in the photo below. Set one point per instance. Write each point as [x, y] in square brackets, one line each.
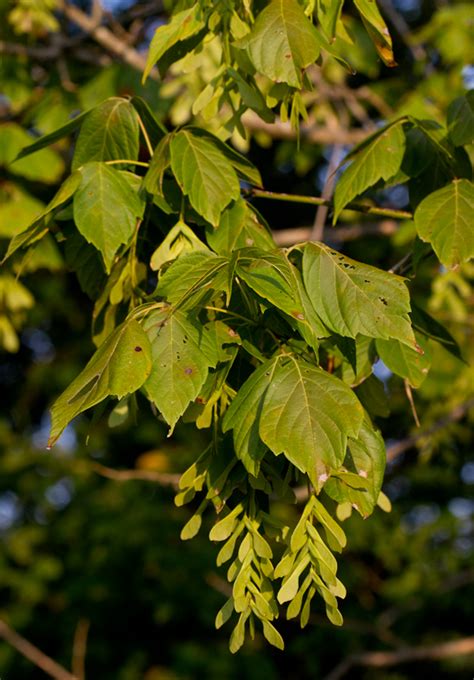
[163, 478]
[403, 445]
[79, 649]
[460, 647]
[105, 37]
[33, 654]
[307, 132]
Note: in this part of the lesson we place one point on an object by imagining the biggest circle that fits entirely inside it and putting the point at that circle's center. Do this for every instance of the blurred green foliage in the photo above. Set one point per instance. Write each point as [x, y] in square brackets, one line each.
[80, 547]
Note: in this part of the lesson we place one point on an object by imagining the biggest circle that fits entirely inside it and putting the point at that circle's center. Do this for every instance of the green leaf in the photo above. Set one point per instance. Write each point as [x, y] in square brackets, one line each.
[120, 366]
[243, 417]
[106, 209]
[366, 458]
[354, 298]
[461, 119]
[377, 158]
[274, 278]
[243, 167]
[180, 368]
[408, 363]
[377, 29]
[204, 174]
[307, 415]
[444, 219]
[328, 13]
[283, 41]
[181, 26]
[239, 227]
[52, 137]
[191, 277]
[110, 132]
[161, 159]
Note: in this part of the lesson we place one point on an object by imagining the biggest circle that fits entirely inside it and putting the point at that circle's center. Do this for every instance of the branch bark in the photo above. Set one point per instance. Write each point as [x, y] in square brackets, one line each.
[163, 478]
[308, 132]
[288, 237]
[33, 654]
[442, 650]
[453, 416]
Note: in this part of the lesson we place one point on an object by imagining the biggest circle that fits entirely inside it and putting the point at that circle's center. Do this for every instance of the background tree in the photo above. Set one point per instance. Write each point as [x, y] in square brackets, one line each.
[103, 556]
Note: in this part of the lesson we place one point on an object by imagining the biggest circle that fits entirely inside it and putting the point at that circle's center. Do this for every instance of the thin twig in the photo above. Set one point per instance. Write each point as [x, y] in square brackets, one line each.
[317, 233]
[456, 414]
[442, 650]
[33, 654]
[79, 648]
[409, 393]
[308, 131]
[318, 200]
[164, 478]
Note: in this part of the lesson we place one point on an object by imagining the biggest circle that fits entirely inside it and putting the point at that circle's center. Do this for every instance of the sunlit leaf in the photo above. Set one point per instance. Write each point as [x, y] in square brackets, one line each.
[180, 368]
[182, 25]
[106, 209]
[204, 174]
[444, 219]
[283, 41]
[110, 132]
[377, 158]
[307, 415]
[354, 298]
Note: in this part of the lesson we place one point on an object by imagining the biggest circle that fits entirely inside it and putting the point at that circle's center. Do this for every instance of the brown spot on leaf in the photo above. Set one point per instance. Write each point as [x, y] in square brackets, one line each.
[188, 370]
[138, 348]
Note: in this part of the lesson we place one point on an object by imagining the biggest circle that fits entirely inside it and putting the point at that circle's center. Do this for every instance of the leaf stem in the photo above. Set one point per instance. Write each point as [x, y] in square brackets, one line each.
[129, 162]
[317, 200]
[230, 313]
[146, 137]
